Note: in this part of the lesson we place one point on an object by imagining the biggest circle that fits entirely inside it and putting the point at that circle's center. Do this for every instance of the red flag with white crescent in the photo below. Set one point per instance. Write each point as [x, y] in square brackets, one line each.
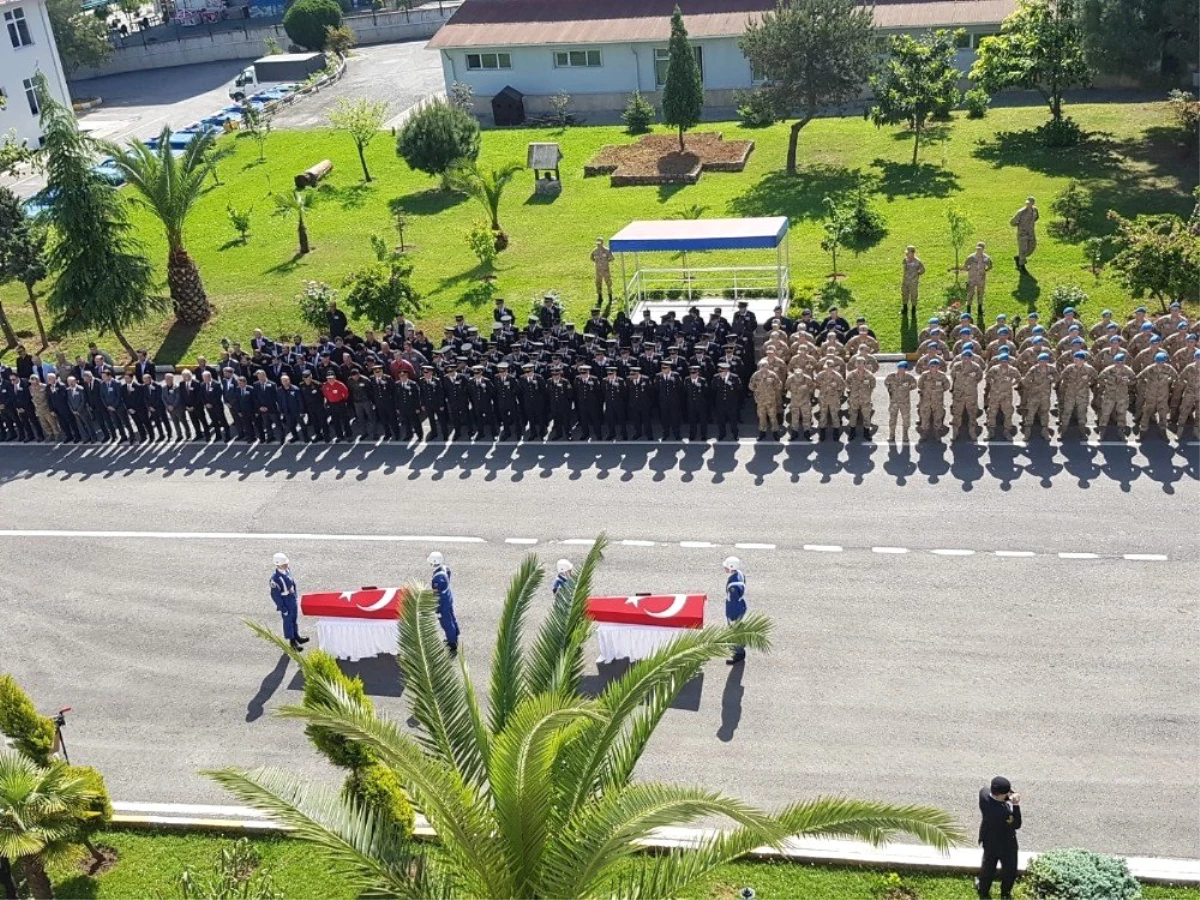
[654, 610]
[367, 603]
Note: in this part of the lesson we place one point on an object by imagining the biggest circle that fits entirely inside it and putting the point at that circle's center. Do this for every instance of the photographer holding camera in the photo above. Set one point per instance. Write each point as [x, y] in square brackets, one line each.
[1000, 811]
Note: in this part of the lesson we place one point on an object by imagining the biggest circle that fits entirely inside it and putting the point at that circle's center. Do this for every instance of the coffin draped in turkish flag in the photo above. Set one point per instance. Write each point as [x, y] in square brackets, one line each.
[655, 610]
[366, 603]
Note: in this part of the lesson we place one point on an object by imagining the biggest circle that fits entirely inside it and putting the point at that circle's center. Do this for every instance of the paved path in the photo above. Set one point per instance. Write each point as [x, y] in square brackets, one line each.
[1049, 639]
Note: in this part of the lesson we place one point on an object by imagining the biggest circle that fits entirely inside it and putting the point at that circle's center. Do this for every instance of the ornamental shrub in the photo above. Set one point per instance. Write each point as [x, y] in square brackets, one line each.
[436, 137]
[339, 750]
[306, 20]
[755, 108]
[31, 733]
[1080, 875]
[377, 788]
[1065, 295]
[638, 115]
[977, 101]
[314, 304]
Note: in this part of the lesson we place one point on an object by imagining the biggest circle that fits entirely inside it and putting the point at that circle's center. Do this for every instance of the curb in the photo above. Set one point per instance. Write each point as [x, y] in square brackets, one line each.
[826, 851]
[87, 104]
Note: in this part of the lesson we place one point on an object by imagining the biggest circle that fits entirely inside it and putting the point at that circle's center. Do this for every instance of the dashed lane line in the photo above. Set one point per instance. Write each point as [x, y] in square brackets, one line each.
[250, 536]
[1146, 557]
[523, 541]
[952, 552]
[823, 548]
[1017, 554]
[752, 546]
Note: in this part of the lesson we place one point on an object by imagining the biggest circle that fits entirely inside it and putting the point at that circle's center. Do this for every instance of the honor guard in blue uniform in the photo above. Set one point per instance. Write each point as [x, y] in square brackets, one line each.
[735, 601]
[445, 600]
[286, 598]
[564, 570]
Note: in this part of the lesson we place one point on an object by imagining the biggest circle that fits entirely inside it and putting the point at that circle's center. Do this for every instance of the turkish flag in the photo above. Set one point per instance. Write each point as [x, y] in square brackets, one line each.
[367, 603]
[655, 610]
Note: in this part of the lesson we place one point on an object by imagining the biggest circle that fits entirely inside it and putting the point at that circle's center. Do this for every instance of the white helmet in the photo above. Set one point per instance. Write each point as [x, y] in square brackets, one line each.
[280, 559]
[732, 563]
[564, 566]
[436, 559]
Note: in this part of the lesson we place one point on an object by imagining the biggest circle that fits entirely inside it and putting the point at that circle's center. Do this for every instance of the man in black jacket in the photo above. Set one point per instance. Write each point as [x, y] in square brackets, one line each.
[314, 409]
[1000, 819]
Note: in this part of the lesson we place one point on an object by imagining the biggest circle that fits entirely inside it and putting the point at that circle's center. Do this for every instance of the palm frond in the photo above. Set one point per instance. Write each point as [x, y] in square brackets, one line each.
[508, 687]
[557, 654]
[349, 837]
[435, 691]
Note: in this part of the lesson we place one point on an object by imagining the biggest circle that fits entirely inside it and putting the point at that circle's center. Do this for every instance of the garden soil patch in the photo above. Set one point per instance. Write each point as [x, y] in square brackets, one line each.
[657, 159]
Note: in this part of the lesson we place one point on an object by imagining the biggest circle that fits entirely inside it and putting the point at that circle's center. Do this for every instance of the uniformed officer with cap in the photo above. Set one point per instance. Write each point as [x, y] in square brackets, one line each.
[445, 600]
[564, 570]
[285, 598]
[735, 601]
[1000, 819]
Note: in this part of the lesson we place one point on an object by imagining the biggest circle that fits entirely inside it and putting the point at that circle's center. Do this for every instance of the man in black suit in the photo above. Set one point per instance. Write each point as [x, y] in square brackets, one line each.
[1000, 819]
[143, 367]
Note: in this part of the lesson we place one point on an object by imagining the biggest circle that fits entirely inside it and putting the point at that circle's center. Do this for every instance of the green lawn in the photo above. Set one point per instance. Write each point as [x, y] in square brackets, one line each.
[987, 166]
[150, 863]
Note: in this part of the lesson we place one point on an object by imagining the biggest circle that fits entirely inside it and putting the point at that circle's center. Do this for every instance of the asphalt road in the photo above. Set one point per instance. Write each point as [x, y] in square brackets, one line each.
[911, 676]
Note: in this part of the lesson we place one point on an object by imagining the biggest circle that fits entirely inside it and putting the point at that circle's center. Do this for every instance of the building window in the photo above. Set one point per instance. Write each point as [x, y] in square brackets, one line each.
[18, 28]
[476, 61]
[662, 57]
[577, 59]
[962, 40]
[31, 96]
[757, 75]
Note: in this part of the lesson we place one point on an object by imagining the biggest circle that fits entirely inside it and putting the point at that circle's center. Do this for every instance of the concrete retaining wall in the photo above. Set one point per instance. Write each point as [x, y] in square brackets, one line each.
[250, 42]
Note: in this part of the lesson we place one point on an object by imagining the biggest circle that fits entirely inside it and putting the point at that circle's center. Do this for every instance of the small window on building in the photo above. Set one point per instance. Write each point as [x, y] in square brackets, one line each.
[477, 61]
[18, 28]
[31, 96]
[962, 40]
[662, 57]
[577, 59]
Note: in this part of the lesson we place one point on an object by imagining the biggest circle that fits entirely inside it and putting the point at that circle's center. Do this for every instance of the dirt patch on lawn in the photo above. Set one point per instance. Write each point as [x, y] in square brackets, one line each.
[657, 159]
[90, 865]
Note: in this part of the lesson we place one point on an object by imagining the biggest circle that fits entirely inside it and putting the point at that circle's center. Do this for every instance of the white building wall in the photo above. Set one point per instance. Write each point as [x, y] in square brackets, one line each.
[20, 63]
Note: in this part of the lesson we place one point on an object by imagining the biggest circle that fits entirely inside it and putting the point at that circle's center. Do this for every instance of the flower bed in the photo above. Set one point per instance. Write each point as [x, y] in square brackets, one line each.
[656, 159]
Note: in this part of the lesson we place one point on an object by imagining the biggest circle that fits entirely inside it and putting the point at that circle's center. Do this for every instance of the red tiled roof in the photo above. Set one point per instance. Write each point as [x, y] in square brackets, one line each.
[501, 23]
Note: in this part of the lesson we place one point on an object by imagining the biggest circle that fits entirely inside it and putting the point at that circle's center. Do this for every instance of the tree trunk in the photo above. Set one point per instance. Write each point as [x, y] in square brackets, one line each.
[916, 142]
[37, 317]
[7, 880]
[10, 336]
[680, 138]
[187, 290]
[34, 870]
[124, 341]
[363, 160]
[793, 140]
[97, 856]
[302, 234]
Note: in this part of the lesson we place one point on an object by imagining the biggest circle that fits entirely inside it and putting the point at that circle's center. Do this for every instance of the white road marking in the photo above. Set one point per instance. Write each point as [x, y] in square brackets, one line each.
[696, 545]
[952, 552]
[250, 536]
[631, 543]
[1079, 556]
[525, 541]
[1016, 554]
[1146, 557]
[578, 542]
[893, 550]
[823, 548]
[755, 546]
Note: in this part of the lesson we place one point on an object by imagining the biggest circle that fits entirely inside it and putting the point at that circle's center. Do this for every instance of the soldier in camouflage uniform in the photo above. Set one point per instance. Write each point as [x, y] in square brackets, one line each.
[1025, 221]
[768, 393]
[931, 406]
[800, 386]
[1186, 396]
[978, 264]
[1036, 387]
[913, 269]
[1154, 392]
[1076, 382]
[965, 376]
[830, 388]
[1115, 381]
[900, 386]
[860, 385]
[1002, 380]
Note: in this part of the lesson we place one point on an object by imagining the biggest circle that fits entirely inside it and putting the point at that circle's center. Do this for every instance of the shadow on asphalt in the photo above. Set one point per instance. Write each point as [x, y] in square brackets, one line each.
[1077, 465]
[381, 676]
[270, 684]
[606, 673]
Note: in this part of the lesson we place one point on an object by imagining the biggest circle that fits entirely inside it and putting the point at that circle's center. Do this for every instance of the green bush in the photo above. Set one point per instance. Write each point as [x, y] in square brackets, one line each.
[867, 223]
[755, 108]
[1065, 295]
[482, 242]
[1080, 875]
[99, 811]
[377, 788]
[337, 749]
[30, 732]
[236, 874]
[639, 114]
[314, 304]
[436, 136]
[977, 101]
[1063, 133]
[306, 20]
[1069, 206]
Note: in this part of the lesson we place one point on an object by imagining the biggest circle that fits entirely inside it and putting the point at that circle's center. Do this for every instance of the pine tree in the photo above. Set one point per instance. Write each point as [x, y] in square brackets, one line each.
[683, 93]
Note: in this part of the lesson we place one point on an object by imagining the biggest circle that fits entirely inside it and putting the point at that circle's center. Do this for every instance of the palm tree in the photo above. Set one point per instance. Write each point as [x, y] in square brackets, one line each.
[537, 797]
[485, 185]
[169, 187]
[41, 810]
[294, 204]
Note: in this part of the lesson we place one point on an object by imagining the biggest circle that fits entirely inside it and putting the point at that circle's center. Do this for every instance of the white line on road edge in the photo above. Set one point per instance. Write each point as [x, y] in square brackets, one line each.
[755, 546]
[1146, 557]
[1015, 554]
[893, 550]
[952, 552]
[525, 541]
[1079, 556]
[823, 548]
[630, 543]
[250, 536]
[697, 545]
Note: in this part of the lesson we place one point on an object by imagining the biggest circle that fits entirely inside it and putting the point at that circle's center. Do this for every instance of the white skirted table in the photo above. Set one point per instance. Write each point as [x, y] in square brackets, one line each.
[635, 627]
[354, 625]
